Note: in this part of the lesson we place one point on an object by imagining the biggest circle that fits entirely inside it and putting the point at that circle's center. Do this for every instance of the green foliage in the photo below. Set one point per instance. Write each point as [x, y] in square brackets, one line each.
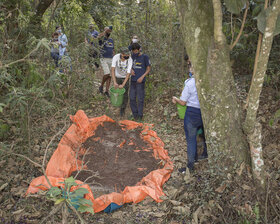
[4, 130]
[74, 198]
[257, 214]
[235, 6]
[275, 118]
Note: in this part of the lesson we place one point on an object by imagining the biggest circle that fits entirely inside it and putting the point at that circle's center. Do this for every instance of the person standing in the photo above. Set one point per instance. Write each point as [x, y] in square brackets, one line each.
[121, 68]
[92, 43]
[107, 53]
[65, 60]
[54, 43]
[63, 41]
[192, 121]
[140, 69]
[134, 39]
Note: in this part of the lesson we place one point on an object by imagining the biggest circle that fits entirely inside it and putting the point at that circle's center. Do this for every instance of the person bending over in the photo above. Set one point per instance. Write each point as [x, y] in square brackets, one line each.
[121, 69]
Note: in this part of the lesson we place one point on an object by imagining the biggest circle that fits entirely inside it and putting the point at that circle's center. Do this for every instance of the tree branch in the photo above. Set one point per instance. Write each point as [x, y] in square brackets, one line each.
[218, 18]
[256, 59]
[242, 26]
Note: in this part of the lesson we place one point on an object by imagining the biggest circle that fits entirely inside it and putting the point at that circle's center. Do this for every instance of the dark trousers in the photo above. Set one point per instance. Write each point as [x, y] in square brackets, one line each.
[137, 92]
[56, 58]
[126, 86]
[192, 123]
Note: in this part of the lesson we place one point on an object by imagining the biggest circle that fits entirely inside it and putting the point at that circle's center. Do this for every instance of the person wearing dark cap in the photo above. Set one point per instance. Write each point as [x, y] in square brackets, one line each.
[107, 52]
[140, 69]
[121, 68]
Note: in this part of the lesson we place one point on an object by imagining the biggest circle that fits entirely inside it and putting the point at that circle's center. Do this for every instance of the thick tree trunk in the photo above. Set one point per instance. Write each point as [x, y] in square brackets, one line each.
[209, 54]
[34, 26]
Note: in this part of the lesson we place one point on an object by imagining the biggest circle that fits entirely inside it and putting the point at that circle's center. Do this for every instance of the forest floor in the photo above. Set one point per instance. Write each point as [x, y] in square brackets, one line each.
[202, 197]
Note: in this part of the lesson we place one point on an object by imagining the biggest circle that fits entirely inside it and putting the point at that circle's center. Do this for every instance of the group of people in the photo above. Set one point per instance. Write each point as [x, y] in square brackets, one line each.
[58, 45]
[131, 64]
[128, 68]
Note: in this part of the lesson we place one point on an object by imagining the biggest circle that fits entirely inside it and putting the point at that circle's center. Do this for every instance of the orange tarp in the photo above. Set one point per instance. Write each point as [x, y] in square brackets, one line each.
[63, 162]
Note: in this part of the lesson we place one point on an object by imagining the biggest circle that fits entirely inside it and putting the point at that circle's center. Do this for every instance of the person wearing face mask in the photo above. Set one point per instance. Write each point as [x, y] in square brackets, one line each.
[140, 69]
[121, 68]
[192, 121]
[107, 52]
[63, 41]
[65, 60]
[134, 39]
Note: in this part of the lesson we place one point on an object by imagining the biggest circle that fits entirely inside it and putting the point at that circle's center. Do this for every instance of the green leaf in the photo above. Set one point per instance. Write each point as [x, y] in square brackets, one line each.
[261, 18]
[84, 208]
[58, 201]
[70, 181]
[235, 6]
[257, 10]
[54, 192]
[83, 201]
[79, 193]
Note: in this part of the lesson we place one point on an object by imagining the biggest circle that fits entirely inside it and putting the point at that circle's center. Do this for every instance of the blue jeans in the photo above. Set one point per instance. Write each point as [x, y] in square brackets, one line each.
[137, 91]
[192, 123]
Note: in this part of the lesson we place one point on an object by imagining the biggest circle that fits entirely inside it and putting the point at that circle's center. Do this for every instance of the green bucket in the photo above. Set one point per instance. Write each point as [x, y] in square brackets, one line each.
[199, 131]
[181, 110]
[116, 96]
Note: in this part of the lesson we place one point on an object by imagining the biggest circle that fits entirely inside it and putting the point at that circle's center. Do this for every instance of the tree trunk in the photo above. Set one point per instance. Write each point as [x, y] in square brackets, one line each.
[34, 26]
[209, 54]
[251, 126]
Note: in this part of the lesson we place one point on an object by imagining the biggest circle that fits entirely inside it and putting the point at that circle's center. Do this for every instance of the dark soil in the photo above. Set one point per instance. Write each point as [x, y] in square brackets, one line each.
[120, 156]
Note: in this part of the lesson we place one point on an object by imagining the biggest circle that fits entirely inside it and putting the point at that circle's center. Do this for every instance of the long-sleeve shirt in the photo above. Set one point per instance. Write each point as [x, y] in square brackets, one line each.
[64, 42]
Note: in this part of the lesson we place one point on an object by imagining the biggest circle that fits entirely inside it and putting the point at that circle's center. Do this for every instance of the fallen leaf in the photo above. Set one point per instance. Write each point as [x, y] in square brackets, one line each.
[176, 203]
[246, 187]
[219, 207]
[221, 188]
[187, 177]
[159, 214]
[18, 211]
[3, 186]
[196, 214]
[248, 209]
[184, 210]
[240, 170]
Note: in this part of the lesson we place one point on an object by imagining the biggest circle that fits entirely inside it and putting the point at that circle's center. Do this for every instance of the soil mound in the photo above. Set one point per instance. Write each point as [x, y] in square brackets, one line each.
[121, 158]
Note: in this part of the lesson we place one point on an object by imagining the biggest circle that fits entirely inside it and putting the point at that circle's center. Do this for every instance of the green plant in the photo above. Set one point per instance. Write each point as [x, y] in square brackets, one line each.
[73, 198]
[257, 213]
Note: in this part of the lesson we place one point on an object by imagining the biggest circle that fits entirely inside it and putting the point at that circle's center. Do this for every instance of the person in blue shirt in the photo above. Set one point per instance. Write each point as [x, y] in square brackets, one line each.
[92, 43]
[107, 52]
[140, 69]
[65, 60]
[192, 121]
[63, 41]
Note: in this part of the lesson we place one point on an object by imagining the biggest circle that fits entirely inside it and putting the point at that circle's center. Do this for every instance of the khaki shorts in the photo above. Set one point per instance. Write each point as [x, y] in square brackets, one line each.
[106, 64]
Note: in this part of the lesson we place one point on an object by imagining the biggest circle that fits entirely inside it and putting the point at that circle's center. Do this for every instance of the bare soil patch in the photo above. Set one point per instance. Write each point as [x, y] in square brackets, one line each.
[120, 156]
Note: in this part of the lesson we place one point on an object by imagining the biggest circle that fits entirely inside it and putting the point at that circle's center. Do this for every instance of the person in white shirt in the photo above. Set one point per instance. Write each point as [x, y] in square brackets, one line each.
[192, 121]
[120, 70]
